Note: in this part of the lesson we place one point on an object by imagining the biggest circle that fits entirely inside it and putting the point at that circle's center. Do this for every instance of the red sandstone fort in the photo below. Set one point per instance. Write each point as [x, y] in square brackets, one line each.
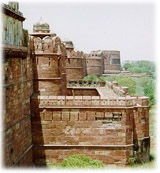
[50, 113]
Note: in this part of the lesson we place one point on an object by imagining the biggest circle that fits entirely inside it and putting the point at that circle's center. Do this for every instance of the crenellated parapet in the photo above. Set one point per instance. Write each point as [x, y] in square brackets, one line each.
[75, 64]
[88, 102]
[48, 44]
[82, 101]
[75, 54]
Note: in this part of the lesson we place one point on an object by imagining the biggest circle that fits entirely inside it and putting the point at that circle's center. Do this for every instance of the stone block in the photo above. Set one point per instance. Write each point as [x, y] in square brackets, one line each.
[56, 116]
[74, 116]
[48, 116]
[65, 116]
[82, 116]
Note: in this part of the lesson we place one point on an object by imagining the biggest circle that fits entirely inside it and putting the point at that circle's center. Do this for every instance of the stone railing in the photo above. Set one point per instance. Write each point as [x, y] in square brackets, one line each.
[87, 101]
[83, 83]
[120, 91]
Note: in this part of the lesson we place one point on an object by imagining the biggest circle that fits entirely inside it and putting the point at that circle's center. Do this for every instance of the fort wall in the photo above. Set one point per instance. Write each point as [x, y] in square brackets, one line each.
[103, 62]
[18, 88]
[75, 65]
[95, 132]
[47, 118]
[111, 61]
[94, 65]
[103, 128]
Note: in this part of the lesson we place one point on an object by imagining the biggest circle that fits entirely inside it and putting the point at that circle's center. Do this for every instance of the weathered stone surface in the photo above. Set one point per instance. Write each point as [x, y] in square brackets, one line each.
[18, 88]
[94, 118]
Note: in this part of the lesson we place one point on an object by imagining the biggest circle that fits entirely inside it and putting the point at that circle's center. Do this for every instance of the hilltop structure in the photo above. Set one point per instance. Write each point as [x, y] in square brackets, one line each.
[50, 114]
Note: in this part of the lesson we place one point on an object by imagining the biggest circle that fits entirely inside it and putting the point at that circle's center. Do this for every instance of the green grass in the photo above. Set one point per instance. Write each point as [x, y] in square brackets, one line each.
[80, 161]
[147, 165]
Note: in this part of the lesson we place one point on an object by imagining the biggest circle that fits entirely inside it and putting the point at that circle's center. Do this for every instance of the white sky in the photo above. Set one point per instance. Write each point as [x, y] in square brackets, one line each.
[96, 26]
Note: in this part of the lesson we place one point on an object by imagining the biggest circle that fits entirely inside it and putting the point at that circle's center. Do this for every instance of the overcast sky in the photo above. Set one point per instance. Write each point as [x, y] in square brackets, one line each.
[101, 26]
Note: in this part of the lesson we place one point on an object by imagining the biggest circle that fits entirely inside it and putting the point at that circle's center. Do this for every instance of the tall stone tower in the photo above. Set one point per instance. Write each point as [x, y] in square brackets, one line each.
[49, 61]
[75, 62]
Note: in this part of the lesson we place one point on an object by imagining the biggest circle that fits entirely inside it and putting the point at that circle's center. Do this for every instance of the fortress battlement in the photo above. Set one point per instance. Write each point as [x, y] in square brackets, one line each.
[50, 112]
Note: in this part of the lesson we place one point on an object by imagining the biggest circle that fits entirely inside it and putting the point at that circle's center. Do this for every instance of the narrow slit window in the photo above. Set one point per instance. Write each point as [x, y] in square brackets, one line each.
[49, 61]
[37, 60]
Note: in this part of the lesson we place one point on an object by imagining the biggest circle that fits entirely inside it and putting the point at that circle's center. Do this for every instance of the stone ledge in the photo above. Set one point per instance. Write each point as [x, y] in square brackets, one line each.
[56, 78]
[14, 51]
[84, 146]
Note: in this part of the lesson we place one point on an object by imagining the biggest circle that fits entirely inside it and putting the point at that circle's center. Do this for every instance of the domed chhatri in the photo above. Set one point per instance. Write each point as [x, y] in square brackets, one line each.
[68, 43]
[41, 27]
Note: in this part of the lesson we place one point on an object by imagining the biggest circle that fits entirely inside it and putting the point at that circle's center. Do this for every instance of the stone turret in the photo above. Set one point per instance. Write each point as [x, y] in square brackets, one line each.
[68, 44]
[42, 29]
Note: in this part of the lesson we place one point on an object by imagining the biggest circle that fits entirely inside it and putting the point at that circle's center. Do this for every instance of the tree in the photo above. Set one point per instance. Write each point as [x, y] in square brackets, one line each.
[149, 91]
[147, 67]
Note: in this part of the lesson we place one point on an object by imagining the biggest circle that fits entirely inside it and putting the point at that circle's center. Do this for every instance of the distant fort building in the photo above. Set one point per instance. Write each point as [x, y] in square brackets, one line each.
[103, 62]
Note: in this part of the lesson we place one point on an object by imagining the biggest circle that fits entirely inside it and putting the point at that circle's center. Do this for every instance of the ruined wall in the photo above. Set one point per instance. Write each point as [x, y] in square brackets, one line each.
[104, 134]
[75, 65]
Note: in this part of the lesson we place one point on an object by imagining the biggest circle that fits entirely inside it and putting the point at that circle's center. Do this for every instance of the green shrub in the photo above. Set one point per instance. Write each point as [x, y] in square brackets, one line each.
[132, 161]
[102, 79]
[91, 78]
[149, 91]
[151, 157]
[124, 81]
[94, 78]
[147, 84]
[80, 161]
